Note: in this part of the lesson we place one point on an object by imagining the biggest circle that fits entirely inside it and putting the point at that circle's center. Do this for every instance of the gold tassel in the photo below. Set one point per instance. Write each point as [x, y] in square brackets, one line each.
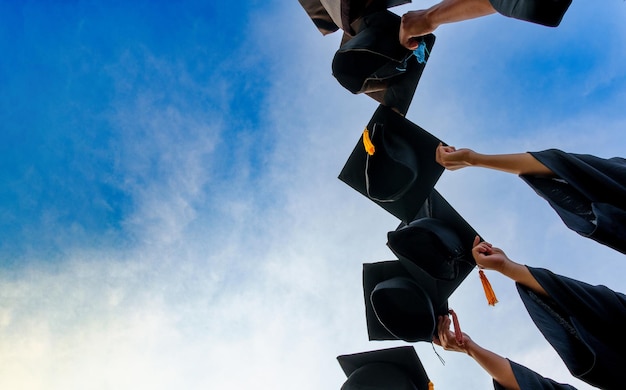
[431, 386]
[489, 293]
[367, 142]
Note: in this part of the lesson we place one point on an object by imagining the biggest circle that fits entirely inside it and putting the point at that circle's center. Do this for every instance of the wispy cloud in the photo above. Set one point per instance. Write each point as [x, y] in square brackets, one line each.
[243, 267]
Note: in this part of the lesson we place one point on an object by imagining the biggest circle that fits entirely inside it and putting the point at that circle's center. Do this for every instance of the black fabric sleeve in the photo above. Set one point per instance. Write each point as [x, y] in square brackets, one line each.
[528, 379]
[588, 193]
[545, 12]
[582, 322]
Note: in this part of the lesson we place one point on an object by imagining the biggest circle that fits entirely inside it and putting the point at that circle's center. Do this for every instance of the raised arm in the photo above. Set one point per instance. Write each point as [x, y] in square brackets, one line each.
[495, 365]
[490, 257]
[422, 22]
[518, 163]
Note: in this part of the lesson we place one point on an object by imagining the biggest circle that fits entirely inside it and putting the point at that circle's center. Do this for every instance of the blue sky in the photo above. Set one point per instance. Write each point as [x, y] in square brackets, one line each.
[171, 215]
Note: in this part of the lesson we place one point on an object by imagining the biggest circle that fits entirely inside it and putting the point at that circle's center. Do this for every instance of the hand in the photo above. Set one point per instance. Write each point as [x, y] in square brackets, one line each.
[415, 24]
[488, 256]
[451, 158]
[447, 339]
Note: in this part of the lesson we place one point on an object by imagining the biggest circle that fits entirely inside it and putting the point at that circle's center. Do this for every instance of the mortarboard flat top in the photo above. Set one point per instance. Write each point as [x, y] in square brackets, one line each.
[403, 298]
[402, 135]
[437, 208]
[396, 368]
[331, 15]
[374, 62]
[398, 306]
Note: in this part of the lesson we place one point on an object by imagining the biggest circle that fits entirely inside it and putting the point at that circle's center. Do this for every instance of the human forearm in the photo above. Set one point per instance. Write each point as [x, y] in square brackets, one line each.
[498, 367]
[521, 274]
[421, 22]
[450, 11]
[489, 257]
[495, 365]
[517, 163]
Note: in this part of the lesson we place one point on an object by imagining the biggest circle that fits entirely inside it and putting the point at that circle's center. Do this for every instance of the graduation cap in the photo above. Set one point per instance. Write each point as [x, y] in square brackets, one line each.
[396, 368]
[401, 171]
[437, 244]
[331, 15]
[398, 306]
[375, 63]
[320, 16]
[403, 298]
[548, 13]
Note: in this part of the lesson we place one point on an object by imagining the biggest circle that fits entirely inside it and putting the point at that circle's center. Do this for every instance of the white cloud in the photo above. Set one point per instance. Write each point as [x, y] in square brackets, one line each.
[235, 296]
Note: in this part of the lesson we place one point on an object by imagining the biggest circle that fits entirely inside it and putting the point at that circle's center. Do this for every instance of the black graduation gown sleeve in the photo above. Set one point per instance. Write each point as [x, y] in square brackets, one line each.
[546, 12]
[528, 379]
[589, 194]
[584, 324]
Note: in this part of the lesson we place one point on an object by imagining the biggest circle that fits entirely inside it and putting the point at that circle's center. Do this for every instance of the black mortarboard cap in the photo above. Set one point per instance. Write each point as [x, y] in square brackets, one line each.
[403, 298]
[549, 13]
[320, 16]
[398, 306]
[401, 172]
[331, 15]
[374, 62]
[396, 368]
[437, 244]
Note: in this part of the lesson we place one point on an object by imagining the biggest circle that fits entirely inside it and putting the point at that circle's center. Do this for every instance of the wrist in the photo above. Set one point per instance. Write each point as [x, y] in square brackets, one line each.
[470, 348]
[473, 158]
[432, 17]
[510, 268]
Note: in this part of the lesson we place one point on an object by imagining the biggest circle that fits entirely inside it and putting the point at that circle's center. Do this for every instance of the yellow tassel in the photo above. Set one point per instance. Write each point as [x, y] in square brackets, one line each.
[367, 142]
[489, 293]
[431, 386]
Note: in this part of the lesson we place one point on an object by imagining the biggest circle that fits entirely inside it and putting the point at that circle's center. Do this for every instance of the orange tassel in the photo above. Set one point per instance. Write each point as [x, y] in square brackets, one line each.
[458, 335]
[431, 386]
[367, 142]
[491, 296]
